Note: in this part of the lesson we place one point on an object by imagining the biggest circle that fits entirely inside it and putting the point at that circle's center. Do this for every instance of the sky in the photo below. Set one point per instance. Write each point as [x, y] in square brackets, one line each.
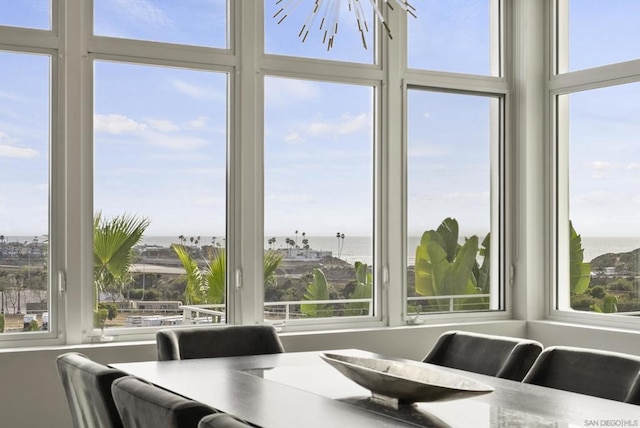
[160, 133]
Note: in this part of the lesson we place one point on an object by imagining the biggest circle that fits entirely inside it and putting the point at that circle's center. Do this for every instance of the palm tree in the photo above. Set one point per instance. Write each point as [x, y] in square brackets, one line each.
[305, 243]
[340, 236]
[193, 293]
[113, 242]
[290, 244]
[207, 285]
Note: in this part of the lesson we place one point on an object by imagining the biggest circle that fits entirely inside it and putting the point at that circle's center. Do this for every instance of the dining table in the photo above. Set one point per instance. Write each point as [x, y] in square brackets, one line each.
[299, 389]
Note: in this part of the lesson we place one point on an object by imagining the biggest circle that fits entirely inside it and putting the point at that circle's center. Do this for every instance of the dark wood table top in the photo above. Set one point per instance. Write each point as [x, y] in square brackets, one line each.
[299, 389]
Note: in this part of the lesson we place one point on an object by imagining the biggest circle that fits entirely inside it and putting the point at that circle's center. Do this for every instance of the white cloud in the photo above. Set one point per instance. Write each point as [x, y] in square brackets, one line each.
[634, 165]
[351, 124]
[198, 122]
[282, 91]
[7, 151]
[601, 165]
[163, 125]
[161, 133]
[142, 11]
[347, 124]
[116, 124]
[195, 92]
[293, 138]
[426, 115]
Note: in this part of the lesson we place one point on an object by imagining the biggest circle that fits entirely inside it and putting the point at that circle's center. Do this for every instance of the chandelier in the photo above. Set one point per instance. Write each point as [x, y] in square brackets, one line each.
[328, 11]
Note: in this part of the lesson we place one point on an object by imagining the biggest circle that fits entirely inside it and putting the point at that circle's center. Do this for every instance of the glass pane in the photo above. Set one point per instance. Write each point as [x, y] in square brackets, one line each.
[448, 201]
[166, 165]
[318, 202]
[453, 36]
[601, 34]
[28, 14]
[604, 175]
[299, 33]
[189, 22]
[25, 98]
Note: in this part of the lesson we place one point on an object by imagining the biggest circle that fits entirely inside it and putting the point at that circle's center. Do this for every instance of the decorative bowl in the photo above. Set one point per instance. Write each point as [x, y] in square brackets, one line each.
[403, 383]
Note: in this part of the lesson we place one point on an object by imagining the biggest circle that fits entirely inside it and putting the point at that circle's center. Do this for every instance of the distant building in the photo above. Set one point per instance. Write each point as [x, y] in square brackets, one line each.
[303, 254]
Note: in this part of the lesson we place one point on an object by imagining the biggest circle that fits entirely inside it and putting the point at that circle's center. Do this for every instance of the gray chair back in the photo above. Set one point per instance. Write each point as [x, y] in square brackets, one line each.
[601, 374]
[143, 405]
[221, 420]
[87, 385]
[209, 342]
[499, 356]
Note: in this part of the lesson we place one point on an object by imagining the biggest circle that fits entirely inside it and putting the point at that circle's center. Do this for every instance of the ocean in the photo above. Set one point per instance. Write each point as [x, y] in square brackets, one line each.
[358, 248]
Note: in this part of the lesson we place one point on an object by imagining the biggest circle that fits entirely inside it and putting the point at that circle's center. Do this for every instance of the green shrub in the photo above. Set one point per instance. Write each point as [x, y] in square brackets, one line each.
[34, 326]
[582, 302]
[100, 317]
[1, 323]
[598, 292]
[620, 284]
[112, 309]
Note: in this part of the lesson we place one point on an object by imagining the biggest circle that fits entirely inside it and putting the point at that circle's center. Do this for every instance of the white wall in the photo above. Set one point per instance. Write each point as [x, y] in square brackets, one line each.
[557, 333]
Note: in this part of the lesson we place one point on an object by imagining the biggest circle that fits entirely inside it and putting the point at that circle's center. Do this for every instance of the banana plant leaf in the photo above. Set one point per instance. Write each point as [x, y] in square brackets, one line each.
[318, 289]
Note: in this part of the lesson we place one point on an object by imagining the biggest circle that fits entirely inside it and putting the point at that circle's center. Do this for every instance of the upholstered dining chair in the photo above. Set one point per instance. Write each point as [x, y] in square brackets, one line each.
[603, 374]
[221, 420]
[143, 405]
[208, 342]
[499, 356]
[87, 386]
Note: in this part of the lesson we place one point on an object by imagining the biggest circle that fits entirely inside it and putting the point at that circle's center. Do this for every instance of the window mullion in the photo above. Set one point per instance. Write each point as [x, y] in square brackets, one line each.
[245, 217]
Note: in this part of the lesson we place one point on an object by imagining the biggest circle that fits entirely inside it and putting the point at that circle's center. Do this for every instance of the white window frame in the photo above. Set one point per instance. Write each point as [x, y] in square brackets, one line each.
[499, 308]
[19, 40]
[497, 87]
[562, 82]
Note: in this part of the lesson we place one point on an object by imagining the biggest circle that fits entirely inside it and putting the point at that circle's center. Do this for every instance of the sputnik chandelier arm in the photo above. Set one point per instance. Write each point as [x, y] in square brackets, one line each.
[329, 13]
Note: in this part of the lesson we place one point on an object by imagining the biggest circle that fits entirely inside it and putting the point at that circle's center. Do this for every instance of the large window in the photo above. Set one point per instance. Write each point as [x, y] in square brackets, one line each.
[196, 162]
[319, 201]
[451, 263]
[25, 137]
[603, 175]
[159, 194]
[598, 250]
